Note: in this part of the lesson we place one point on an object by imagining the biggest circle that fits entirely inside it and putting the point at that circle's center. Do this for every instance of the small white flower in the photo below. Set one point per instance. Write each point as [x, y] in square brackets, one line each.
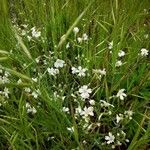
[65, 109]
[59, 63]
[121, 53]
[74, 70]
[35, 94]
[79, 39]
[144, 52]
[35, 79]
[6, 92]
[92, 102]
[119, 118]
[85, 91]
[110, 138]
[118, 63]
[70, 129]
[81, 71]
[68, 45]
[121, 94]
[28, 90]
[52, 71]
[85, 37]
[102, 72]
[110, 45]
[30, 109]
[88, 111]
[75, 30]
[35, 33]
[19, 81]
[129, 114]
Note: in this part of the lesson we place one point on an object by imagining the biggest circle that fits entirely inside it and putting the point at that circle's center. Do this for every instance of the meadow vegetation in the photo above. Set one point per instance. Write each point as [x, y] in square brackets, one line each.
[74, 75]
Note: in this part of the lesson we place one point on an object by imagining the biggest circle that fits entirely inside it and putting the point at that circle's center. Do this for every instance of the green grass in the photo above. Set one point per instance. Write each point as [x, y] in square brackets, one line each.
[125, 22]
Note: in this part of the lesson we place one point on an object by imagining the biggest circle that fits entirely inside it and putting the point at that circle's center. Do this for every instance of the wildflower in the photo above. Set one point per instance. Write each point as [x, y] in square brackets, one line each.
[102, 72]
[121, 53]
[105, 104]
[35, 33]
[34, 79]
[92, 102]
[129, 114]
[71, 129]
[144, 52]
[110, 45]
[30, 109]
[119, 118]
[74, 70]
[75, 30]
[35, 94]
[88, 111]
[19, 81]
[59, 63]
[118, 63]
[52, 71]
[28, 90]
[85, 91]
[81, 71]
[6, 92]
[110, 138]
[68, 45]
[79, 39]
[121, 94]
[85, 37]
[65, 109]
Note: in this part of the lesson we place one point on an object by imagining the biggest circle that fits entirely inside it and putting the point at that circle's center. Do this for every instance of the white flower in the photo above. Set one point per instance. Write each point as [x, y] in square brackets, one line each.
[35, 94]
[59, 63]
[105, 104]
[121, 53]
[30, 109]
[35, 33]
[144, 52]
[70, 129]
[118, 63]
[88, 111]
[85, 92]
[79, 39]
[75, 30]
[92, 102]
[110, 138]
[102, 72]
[52, 71]
[110, 45]
[28, 90]
[19, 81]
[68, 45]
[85, 37]
[35, 79]
[65, 109]
[119, 118]
[74, 70]
[81, 71]
[6, 92]
[121, 94]
[129, 114]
